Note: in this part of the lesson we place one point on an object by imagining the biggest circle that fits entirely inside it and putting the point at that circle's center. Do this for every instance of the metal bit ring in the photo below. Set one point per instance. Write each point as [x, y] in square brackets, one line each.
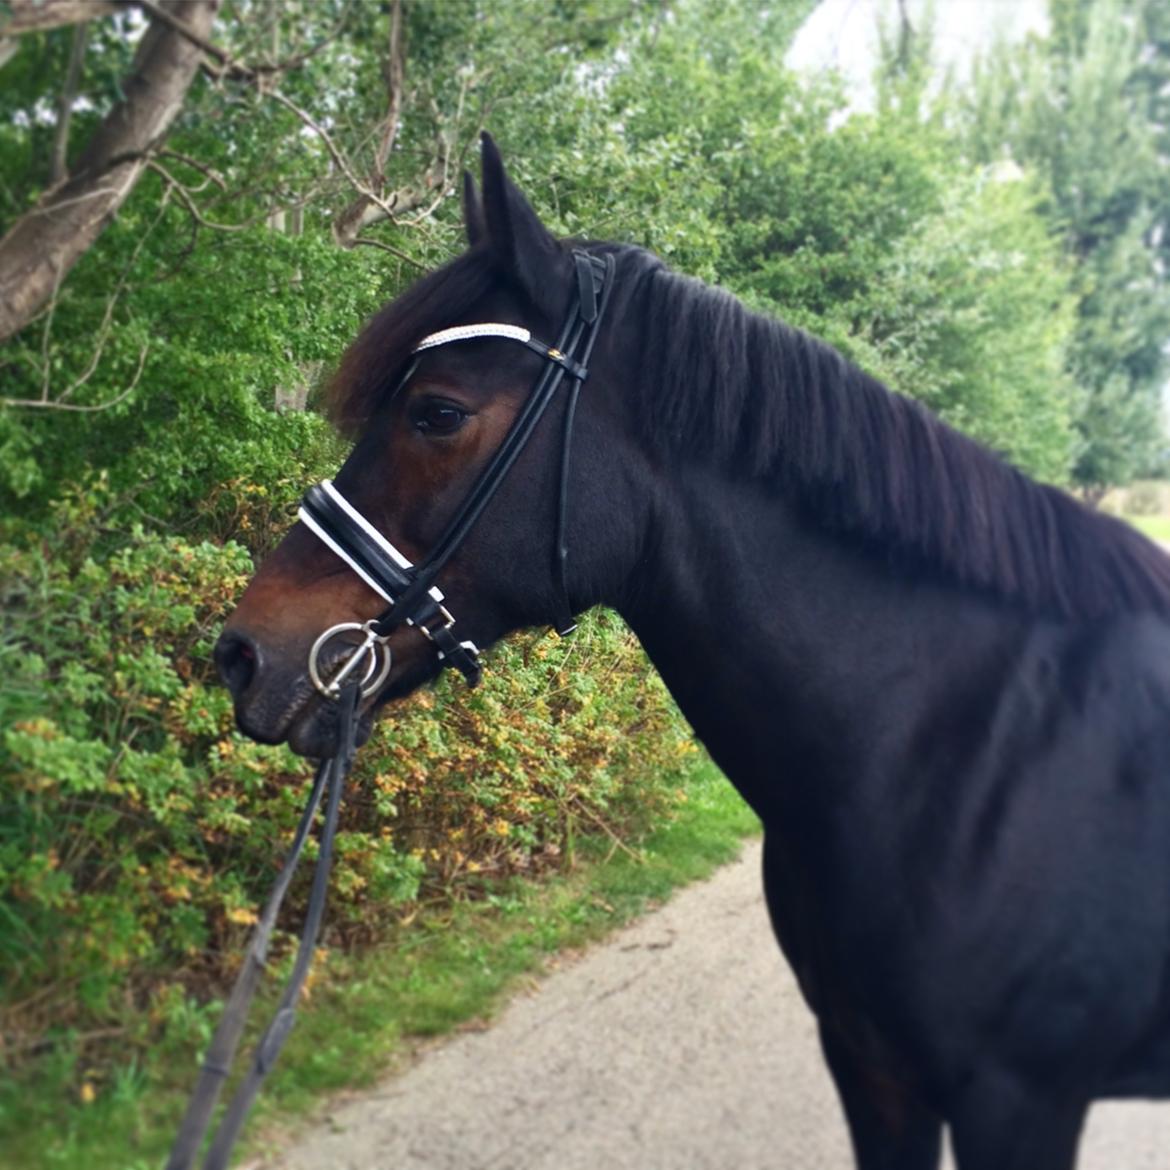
[371, 656]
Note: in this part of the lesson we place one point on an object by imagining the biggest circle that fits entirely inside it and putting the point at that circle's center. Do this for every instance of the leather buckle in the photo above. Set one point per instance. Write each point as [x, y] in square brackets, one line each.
[440, 620]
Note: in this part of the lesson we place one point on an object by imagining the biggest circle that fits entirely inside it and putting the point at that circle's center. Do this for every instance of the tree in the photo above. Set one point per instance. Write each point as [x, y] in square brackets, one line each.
[1080, 110]
[218, 285]
[42, 246]
[869, 230]
[390, 149]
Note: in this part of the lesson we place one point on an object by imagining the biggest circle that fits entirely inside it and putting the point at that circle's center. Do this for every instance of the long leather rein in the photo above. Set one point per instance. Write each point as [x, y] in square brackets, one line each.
[221, 1052]
[345, 670]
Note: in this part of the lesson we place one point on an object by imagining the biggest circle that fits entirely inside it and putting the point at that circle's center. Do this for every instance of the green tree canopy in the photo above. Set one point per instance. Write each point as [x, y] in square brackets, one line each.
[870, 230]
[1083, 112]
[290, 199]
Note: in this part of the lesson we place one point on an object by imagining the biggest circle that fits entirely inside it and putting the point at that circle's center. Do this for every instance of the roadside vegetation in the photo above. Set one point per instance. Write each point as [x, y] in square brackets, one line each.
[451, 964]
[998, 251]
[1155, 527]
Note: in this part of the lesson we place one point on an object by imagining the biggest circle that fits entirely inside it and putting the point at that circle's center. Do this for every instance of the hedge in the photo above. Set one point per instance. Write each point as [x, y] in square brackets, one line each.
[139, 831]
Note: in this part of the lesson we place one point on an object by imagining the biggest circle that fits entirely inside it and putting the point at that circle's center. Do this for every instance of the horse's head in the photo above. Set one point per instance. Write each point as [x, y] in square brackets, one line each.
[427, 421]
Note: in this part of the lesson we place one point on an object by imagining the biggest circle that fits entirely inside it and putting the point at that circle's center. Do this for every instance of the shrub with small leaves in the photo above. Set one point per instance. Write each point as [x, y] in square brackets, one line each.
[139, 832]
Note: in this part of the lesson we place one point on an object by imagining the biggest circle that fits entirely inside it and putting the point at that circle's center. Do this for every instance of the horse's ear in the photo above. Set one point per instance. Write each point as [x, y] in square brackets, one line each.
[523, 247]
[473, 221]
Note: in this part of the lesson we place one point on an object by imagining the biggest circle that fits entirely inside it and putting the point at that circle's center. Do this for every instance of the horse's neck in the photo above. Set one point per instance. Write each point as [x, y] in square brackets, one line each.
[793, 656]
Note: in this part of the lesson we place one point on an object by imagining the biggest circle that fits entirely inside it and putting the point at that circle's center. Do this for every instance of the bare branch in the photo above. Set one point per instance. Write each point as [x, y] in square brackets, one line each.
[339, 159]
[905, 35]
[421, 198]
[368, 243]
[395, 75]
[60, 404]
[26, 16]
[187, 200]
[212, 174]
[228, 66]
[372, 203]
[46, 335]
[175, 24]
[374, 206]
[58, 159]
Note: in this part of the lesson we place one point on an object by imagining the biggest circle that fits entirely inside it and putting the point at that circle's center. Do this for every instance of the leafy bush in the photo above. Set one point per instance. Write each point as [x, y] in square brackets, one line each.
[219, 335]
[139, 832]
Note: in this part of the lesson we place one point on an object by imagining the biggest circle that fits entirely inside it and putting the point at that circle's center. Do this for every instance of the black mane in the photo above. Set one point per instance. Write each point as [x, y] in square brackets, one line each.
[762, 400]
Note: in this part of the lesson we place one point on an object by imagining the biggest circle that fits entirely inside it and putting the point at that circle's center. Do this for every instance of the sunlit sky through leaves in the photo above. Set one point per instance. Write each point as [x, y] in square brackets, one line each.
[843, 34]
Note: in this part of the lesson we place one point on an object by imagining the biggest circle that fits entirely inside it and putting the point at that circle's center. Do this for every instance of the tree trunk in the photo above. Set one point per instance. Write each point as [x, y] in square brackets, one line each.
[43, 245]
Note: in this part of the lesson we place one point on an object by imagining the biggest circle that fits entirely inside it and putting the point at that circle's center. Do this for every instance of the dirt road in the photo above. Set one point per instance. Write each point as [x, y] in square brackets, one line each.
[681, 1044]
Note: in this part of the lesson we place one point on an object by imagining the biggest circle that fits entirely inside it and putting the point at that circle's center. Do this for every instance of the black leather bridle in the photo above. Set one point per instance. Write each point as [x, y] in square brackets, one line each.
[346, 671]
[414, 598]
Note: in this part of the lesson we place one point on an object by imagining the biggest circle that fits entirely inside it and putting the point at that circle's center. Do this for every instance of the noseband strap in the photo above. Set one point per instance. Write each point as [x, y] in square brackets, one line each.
[327, 513]
[410, 589]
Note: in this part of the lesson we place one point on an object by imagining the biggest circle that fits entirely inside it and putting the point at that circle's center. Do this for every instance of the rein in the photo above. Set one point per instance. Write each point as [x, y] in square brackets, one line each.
[346, 672]
[221, 1052]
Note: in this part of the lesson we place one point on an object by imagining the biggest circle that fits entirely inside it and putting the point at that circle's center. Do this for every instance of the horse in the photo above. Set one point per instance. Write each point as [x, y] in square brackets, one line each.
[943, 687]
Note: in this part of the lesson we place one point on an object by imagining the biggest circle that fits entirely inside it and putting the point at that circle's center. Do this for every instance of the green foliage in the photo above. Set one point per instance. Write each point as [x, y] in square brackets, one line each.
[139, 832]
[869, 231]
[972, 316]
[694, 139]
[217, 333]
[1081, 112]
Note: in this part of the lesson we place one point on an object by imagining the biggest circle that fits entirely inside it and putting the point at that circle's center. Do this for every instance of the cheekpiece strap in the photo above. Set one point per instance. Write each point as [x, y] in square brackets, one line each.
[408, 588]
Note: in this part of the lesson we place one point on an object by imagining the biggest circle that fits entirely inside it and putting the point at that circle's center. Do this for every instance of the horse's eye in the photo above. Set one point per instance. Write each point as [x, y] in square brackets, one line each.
[437, 416]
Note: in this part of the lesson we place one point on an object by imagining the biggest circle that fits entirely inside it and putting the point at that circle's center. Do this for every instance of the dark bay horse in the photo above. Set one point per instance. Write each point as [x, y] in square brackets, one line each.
[944, 688]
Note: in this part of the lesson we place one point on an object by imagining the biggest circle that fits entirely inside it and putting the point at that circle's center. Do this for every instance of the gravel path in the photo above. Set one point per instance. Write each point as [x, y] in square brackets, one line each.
[680, 1044]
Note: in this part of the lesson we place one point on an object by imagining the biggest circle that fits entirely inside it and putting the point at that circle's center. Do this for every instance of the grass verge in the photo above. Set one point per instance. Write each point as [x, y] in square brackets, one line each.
[1155, 527]
[366, 1010]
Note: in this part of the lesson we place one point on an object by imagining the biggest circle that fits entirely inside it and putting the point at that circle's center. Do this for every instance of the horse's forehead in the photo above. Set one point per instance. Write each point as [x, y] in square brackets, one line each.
[487, 365]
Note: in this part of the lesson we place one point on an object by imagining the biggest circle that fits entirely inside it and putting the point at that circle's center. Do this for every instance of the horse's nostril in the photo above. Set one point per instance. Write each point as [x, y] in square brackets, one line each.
[235, 659]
